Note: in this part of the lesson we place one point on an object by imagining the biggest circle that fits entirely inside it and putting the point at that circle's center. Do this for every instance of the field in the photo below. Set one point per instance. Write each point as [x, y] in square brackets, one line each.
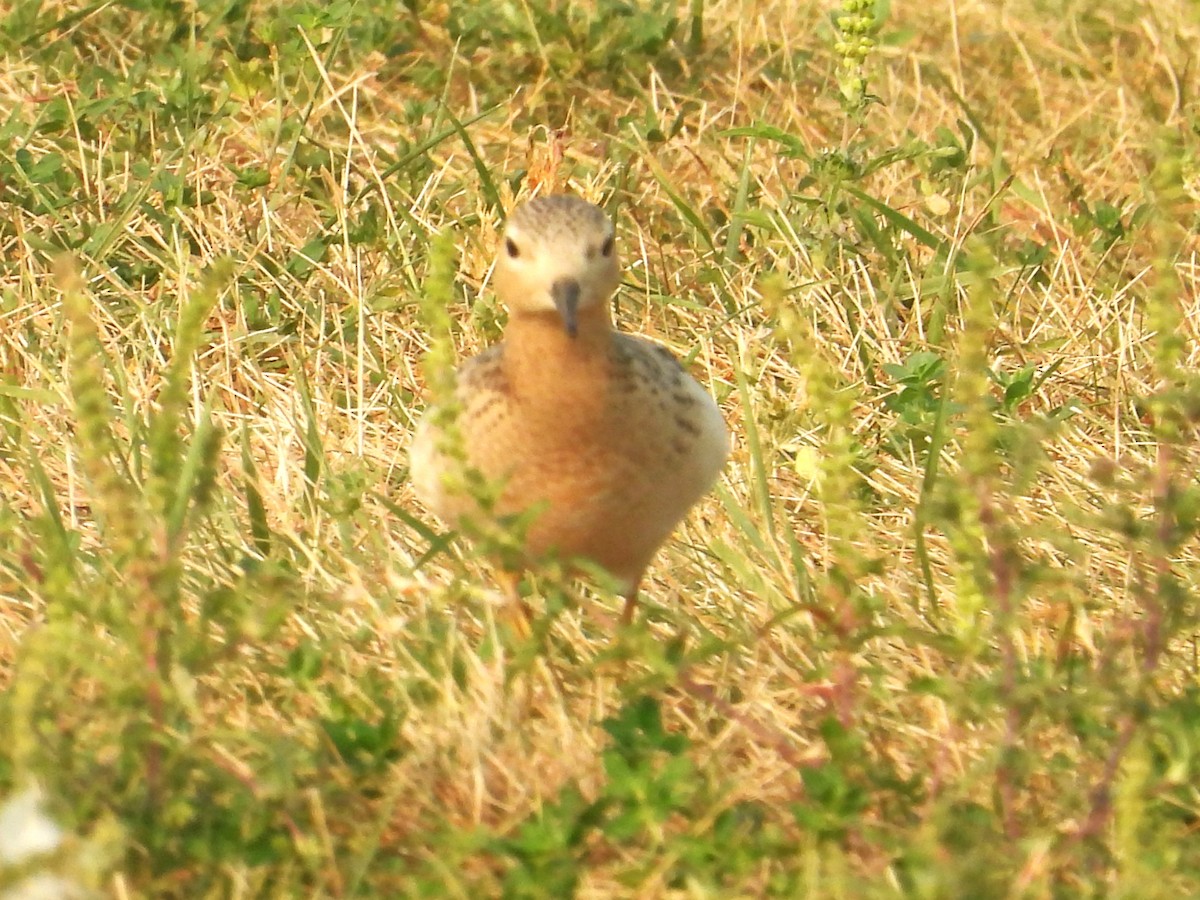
[934, 632]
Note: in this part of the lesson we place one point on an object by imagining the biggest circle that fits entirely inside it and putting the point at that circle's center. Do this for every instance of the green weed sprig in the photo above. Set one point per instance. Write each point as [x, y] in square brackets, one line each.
[976, 579]
[855, 22]
[840, 483]
[116, 505]
[169, 483]
[494, 537]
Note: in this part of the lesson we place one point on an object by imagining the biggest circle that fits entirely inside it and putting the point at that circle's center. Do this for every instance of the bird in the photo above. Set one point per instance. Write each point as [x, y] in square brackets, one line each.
[599, 436]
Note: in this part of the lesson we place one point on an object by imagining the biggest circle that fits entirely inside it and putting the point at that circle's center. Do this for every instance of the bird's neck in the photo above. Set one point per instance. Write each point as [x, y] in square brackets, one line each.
[547, 366]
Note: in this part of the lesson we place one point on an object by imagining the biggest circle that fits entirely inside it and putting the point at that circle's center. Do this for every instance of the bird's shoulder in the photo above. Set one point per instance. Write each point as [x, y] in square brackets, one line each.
[644, 356]
[484, 374]
[639, 365]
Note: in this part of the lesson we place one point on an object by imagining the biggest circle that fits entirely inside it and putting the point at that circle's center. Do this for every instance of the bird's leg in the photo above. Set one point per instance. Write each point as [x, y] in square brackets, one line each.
[520, 620]
[516, 612]
[630, 604]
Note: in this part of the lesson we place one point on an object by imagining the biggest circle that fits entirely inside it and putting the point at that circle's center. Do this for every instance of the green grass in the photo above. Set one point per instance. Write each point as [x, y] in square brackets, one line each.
[934, 632]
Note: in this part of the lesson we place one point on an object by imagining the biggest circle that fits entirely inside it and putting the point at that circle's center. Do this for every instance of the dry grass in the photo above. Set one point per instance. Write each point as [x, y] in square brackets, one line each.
[927, 637]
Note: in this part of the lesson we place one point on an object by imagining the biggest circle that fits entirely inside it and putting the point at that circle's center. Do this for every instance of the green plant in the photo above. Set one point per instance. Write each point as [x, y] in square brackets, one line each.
[933, 633]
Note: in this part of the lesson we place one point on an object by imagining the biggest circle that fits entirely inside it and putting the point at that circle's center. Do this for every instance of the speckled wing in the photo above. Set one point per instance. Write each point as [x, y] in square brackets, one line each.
[673, 426]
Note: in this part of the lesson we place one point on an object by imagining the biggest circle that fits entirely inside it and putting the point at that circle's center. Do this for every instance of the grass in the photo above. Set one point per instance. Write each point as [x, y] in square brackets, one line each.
[934, 632]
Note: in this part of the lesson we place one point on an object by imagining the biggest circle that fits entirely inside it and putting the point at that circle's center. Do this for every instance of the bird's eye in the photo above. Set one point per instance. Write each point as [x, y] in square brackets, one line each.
[510, 246]
[606, 248]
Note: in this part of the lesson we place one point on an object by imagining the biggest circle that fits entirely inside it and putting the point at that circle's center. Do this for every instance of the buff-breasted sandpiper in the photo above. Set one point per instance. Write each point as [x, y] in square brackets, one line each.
[602, 433]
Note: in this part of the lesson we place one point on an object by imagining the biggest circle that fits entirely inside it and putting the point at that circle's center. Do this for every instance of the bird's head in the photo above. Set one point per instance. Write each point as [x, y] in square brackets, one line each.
[557, 256]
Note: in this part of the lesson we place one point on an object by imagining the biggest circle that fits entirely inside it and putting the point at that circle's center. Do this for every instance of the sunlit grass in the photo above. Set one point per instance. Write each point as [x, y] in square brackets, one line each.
[932, 634]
